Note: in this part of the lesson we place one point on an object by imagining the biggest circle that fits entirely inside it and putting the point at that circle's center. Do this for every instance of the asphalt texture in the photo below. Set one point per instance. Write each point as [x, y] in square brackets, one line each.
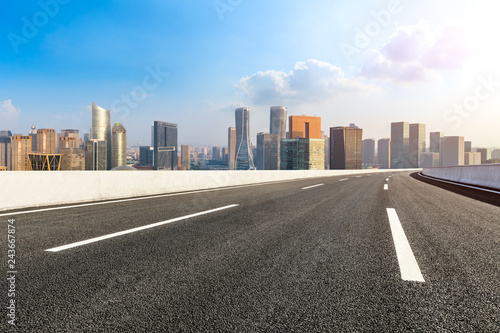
[286, 259]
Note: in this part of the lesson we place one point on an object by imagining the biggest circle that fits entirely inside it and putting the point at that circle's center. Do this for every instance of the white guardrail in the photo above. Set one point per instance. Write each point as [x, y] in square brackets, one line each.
[20, 189]
[486, 175]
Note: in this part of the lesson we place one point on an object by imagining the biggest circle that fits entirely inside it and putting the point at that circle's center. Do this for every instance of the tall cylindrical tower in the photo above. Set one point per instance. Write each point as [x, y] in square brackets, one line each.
[277, 123]
[118, 146]
[101, 128]
[244, 157]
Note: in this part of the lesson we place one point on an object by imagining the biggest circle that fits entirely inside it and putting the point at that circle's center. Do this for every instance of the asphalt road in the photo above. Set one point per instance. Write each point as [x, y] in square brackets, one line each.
[283, 259]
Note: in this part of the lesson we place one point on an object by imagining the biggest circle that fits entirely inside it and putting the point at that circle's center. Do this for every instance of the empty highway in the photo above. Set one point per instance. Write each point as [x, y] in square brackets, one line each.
[382, 252]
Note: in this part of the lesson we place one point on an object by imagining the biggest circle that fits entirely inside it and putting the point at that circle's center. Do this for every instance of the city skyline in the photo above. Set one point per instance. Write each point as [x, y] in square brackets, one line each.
[199, 63]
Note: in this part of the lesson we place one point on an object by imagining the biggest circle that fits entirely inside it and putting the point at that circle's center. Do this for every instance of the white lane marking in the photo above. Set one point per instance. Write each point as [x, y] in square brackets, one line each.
[308, 187]
[407, 263]
[344, 179]
[120, 233]
[387, 179]
[142, 198]
[386, 186]
[359, 176]
[463, 185]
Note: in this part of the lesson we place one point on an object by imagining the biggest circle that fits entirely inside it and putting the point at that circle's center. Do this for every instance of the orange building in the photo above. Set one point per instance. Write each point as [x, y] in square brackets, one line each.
[21, 147]
[46, 141]
[68, 142]
[304, 127]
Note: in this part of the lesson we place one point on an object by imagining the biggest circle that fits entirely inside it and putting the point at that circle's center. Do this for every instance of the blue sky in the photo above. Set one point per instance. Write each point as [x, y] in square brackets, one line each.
[193, 62]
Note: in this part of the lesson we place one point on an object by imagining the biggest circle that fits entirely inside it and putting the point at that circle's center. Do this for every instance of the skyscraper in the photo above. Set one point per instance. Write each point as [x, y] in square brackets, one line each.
[452, 151]
[468, 146]
[33, 134]
[72, 159]
[305, 127]
[368, 152]
[384, 153]
[231, 144]
[417, 143]
[186, 156]
[400, 145]
[21, 147]
[118, 146]
[244, 157]
[346, 148]
[267, 151]
[146, 154]
[101, 129]
[96, 155]
[46, 141]
[302, 154]
[165, 146]
[277, 123]
[5, 152]
[435, 142]
[485, 155]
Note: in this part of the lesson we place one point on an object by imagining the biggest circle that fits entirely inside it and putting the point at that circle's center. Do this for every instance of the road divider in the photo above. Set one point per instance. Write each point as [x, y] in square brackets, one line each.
[486, 175]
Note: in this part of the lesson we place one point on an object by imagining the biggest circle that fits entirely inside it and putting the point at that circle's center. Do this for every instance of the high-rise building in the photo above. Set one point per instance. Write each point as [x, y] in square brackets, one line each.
[46, 141]
[277, 123]
[118, 145]
[186, 156]
[435, 141]
[96, 152]
[400, 145]
[244, 156]
[5, 152]
[70, 133]
[195, 157]
[368, 152]
[468, 146]
[216, 154]
[327, 150]
[471, 158]
[21, 147]
[72, 159]
[165, 146]
[4, 133]
[485, 155]
[231, 144]
[101, 129]
[452, 151]
[267, 151]
[384, 153]
[417, 143]
[44, 162]
[33, 134]
[302, 154]
[346, 145]
[495, 154]
[68, 142]
[146, 154]
[304, 127]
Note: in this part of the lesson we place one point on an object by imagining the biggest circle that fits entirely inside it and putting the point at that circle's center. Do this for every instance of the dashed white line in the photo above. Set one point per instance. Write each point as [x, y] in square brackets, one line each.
[387, 179]
[344, 179]
[359, 176]
[407, 263]
[386, 186]
[120, 233]
[308, 187]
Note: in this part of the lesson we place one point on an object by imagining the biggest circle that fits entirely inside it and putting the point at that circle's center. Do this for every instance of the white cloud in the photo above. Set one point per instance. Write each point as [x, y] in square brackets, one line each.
[415, 53]
[8, 111]
[310, 81]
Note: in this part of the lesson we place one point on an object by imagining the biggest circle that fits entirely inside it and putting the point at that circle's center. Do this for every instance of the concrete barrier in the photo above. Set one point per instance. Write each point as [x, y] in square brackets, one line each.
[20, 189]
[487, 175]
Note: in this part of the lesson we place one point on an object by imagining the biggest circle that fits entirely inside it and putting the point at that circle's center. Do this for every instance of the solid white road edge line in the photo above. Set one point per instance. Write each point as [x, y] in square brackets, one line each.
[120, 233]
[407, 263]
[308, 187]
[463, 185]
